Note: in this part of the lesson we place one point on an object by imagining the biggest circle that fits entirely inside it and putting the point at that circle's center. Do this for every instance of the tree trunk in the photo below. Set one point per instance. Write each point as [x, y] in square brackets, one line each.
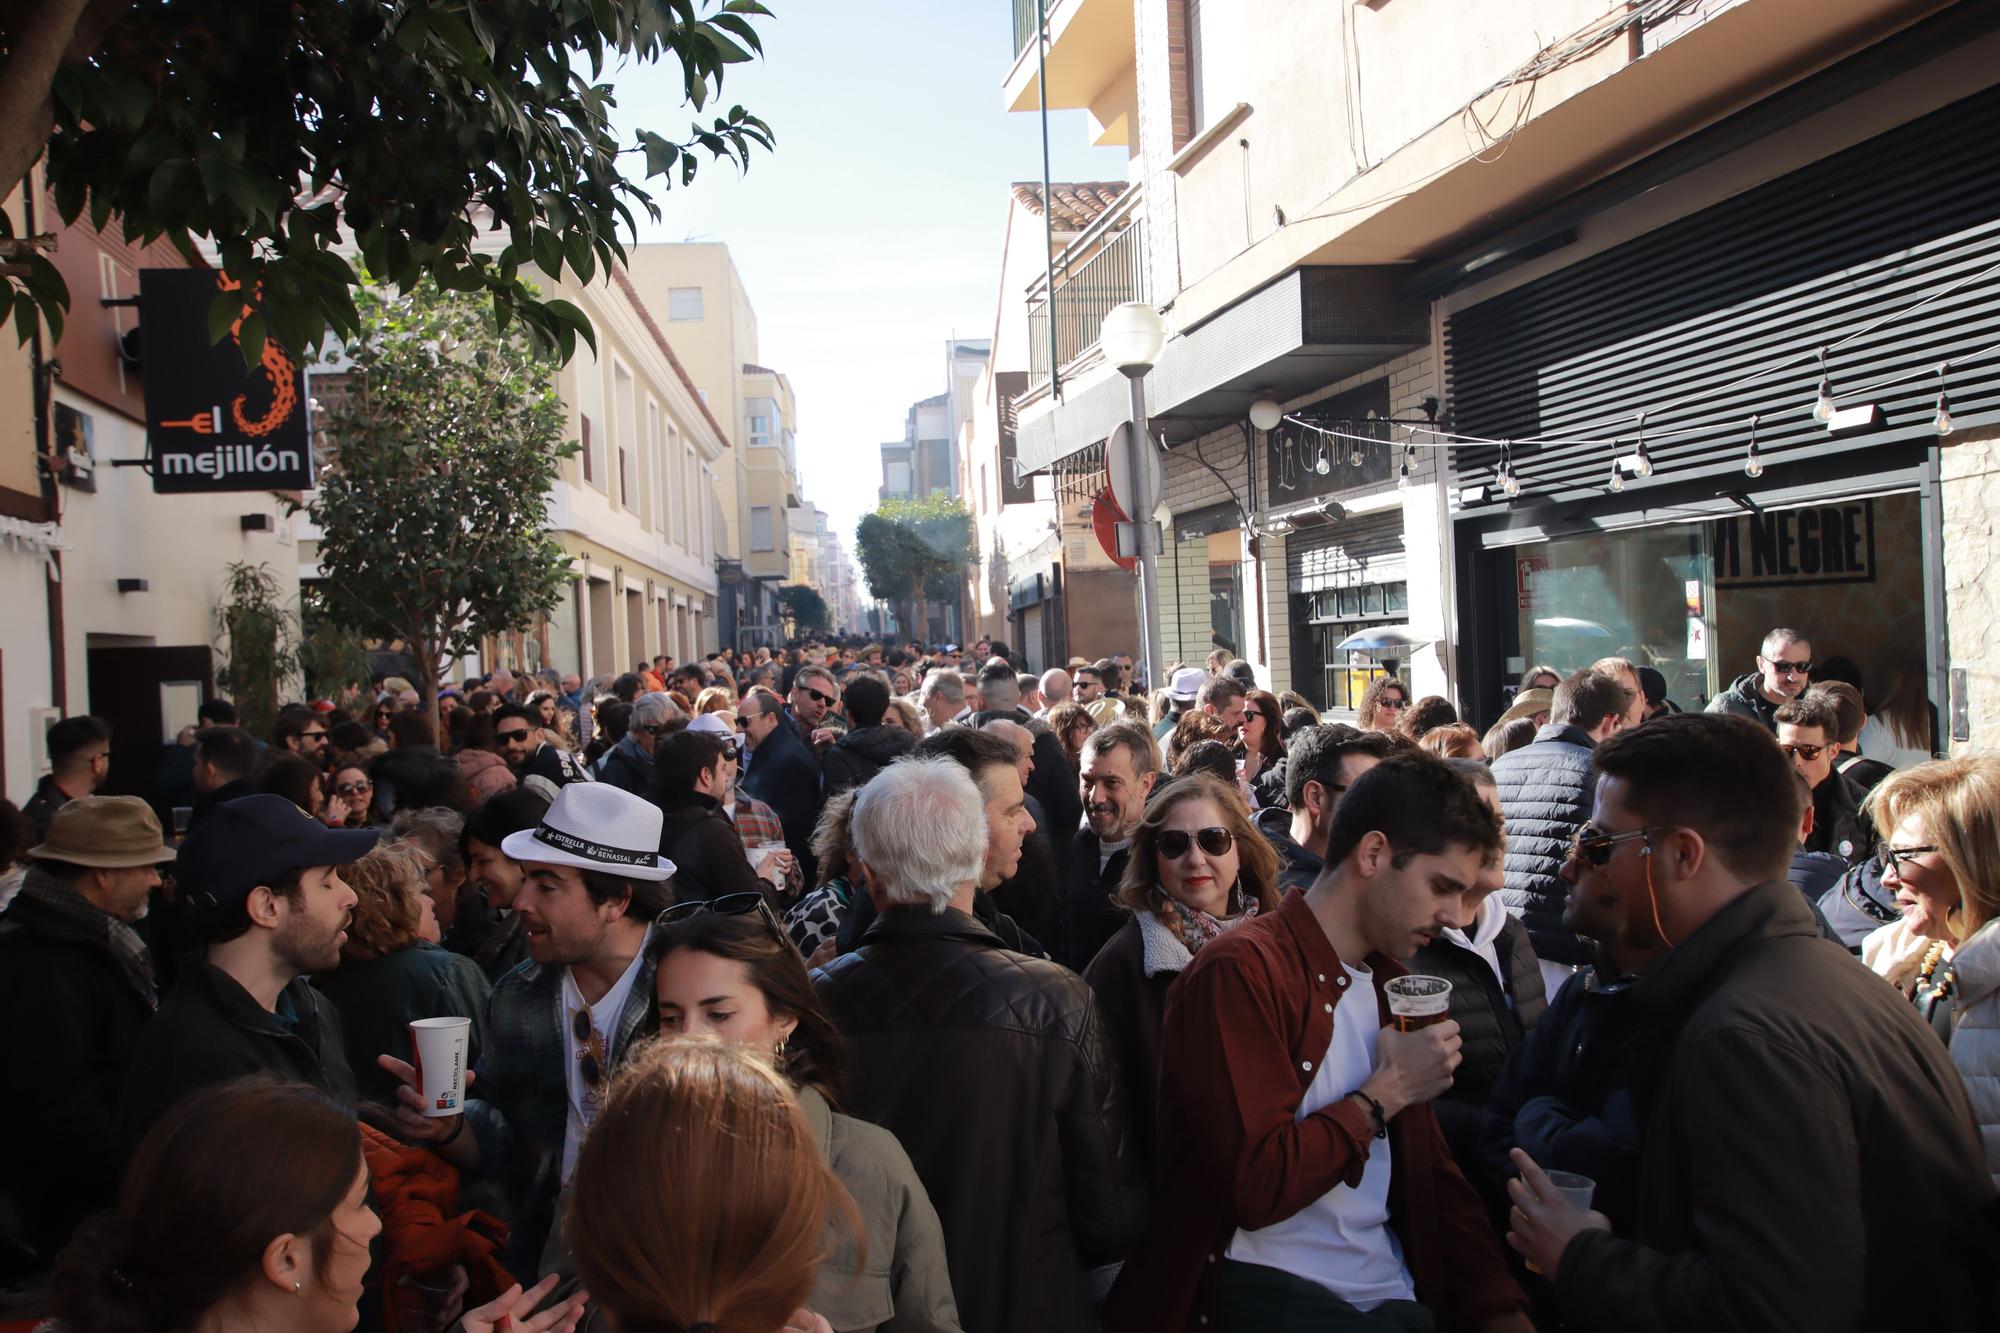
[427, 684]
[38, 42]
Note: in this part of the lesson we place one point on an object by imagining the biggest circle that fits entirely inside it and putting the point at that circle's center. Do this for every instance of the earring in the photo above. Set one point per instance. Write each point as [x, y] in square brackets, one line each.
[297, 1287]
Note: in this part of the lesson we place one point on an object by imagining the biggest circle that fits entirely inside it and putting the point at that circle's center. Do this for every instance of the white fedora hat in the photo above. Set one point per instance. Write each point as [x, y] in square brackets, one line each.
[595, 826]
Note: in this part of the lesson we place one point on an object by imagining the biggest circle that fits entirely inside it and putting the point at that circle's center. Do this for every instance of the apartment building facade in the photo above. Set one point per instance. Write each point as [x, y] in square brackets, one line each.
[1466, 260]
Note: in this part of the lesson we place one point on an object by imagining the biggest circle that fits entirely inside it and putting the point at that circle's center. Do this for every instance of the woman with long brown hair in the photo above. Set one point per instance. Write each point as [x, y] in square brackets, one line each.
[700, 1199]
[1072, 724]
[245, 1208]
[1197, 868]
[726, 970]
[1262, 748]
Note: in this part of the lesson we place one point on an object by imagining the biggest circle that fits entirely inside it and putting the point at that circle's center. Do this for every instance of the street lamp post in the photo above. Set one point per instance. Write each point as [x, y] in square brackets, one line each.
[1132, 337]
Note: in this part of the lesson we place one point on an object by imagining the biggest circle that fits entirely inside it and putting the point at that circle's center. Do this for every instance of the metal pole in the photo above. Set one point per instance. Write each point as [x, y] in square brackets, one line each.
[1146, 499]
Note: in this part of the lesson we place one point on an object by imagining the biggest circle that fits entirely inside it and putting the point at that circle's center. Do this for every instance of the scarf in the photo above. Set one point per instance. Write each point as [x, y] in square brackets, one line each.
[1196, 927]
[130, 952]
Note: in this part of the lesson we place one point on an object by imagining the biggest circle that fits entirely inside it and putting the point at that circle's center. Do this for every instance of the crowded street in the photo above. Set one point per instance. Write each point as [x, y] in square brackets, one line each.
[1403, 743]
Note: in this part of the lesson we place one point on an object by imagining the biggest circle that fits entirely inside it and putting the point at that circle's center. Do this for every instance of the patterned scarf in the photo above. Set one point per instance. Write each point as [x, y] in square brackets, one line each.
[1196, 927]
[39, 886]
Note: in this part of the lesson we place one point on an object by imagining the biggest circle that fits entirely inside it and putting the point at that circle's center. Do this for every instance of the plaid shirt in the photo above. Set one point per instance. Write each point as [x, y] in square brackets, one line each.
[757, 824]
[519, 1109]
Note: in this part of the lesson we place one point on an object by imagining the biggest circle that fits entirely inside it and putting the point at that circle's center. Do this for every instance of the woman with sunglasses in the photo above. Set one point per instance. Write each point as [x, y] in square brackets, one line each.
[725, 969]
[1941, 863]
[1197, 868]
[1261, 749]
[349, 793]
[1382, 705]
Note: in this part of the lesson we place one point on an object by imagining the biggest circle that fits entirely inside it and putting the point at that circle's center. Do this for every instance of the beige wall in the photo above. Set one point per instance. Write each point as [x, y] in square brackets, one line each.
[1971, 494]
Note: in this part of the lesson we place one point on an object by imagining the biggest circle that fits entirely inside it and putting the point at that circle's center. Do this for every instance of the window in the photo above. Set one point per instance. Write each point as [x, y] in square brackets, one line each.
[760, 429]
[897, 479]
[624, 476]
[591, 466]
[687, 502]
[625, 430]
[657, 455]
[683, 304]
[763, 536]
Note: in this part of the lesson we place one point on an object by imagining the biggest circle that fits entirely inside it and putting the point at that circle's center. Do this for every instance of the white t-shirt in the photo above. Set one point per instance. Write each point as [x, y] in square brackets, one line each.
[584, 1101]
[1342, 1240]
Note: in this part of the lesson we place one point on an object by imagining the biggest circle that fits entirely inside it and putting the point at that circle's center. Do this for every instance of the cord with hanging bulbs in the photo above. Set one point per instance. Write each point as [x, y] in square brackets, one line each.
[1639, 462]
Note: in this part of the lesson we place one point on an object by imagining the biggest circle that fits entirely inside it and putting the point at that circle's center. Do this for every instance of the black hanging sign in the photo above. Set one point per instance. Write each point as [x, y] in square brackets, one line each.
[210, 425]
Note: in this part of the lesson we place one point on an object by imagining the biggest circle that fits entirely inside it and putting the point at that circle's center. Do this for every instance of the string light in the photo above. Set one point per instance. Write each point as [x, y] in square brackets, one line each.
[1403, 471]
[1941, 423]
[1643, 467]
[1753, 466]
[1323, 464]
[1823, 405]
[1355, 458]
[1510, 485]
[1617, 482]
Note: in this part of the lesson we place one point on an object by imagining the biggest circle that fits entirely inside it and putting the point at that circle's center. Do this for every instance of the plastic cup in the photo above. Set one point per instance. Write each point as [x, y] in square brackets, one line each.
[1417, 1001]
[760, 855]
[441, 1045]
[1577, 1189]
[183, 820]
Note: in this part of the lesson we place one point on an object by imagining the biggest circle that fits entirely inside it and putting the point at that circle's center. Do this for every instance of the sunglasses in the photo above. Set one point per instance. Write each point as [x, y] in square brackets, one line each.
[1894, 858]
[590, 1048]
[826, 699]
[509, 737]
[352, 788]
[1597, 848]
[1803, 751]
[729, 904]
[1785, 668]
[312, 735]
[1174, 843]
[1386, 702]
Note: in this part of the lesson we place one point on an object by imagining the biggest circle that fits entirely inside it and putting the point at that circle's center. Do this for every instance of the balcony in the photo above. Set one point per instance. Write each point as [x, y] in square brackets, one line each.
[1102, 268]
[1090, 63]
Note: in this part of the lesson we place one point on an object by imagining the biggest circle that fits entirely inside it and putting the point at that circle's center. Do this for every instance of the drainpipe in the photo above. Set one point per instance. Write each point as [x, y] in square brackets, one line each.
[43, 372]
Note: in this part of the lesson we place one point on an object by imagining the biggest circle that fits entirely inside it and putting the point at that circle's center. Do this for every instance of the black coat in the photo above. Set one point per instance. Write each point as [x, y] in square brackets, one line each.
[1089, 918]
[1745, 698]
[493, 939]
[996, 1074]
[626, 767]
[1054, 784]
[42, 806]
[860, 915]
[377, 998]
[697, 835]
[1565, 1099]
[73, 1016]
[207, 803]
[1134, 1005]
[1545, 794]
[1298, 866]
[1839, 826]
[1492, 1022]
[862, 753]
[784, 775]
[1858, 905]
[210, 1031]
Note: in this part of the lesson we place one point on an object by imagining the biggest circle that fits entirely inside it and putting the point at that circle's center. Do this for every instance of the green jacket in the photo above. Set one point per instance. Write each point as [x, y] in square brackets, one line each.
[903, 1286]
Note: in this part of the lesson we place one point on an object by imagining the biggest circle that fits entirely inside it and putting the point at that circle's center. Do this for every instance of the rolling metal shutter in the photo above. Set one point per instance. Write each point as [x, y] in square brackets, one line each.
[1686, 312]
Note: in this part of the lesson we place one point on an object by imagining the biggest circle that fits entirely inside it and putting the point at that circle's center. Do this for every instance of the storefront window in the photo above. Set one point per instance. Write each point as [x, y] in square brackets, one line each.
[1225, 590]
[1334, 679]
[1646, 595]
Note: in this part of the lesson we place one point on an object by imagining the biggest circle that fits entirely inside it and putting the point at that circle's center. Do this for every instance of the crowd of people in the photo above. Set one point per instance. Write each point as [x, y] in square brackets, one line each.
[848, 986]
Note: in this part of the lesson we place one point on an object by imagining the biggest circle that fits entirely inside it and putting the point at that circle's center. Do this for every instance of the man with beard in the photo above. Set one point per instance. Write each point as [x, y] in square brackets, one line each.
[1120, 765]
[591, 886]
[261, 881]
[1320, 763]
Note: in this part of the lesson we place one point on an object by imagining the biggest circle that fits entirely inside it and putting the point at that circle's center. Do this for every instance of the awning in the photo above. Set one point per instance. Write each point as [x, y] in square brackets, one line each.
[1310, 328]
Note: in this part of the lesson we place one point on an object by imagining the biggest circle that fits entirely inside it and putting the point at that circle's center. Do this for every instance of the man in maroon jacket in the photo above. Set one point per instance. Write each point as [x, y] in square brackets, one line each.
[1304, 1181]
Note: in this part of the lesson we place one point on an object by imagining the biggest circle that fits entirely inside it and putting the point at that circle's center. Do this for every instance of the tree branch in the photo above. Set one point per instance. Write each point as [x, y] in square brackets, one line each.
[37, 45]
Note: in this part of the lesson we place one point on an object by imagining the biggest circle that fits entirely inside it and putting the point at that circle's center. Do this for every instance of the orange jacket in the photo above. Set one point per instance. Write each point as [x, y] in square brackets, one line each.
[423, 1233]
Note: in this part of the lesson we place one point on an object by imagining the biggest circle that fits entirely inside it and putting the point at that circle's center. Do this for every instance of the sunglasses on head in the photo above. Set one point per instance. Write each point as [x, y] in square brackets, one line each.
[1785, 668]
[1174, 843]
[729, 904]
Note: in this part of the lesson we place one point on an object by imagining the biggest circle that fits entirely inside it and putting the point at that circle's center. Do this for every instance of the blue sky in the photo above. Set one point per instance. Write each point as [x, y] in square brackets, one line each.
[873, 232]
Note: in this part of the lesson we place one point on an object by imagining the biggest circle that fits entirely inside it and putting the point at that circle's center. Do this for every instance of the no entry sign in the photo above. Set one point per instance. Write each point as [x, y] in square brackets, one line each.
[210, 424]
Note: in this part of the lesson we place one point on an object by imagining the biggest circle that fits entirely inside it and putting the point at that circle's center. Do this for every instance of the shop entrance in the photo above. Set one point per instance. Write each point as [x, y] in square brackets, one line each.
[1696, 599]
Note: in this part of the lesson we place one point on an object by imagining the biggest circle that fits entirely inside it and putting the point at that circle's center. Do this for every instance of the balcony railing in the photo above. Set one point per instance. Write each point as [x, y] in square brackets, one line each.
[1025, 25]
[1109, 269]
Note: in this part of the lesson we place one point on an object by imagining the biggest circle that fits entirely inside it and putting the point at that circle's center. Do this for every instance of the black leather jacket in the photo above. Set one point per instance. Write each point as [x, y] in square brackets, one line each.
[996, 1073]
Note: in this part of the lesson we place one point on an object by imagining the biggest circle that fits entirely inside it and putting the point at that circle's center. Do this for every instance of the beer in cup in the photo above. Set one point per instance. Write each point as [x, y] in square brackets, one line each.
[441, 1046]
[1418, 1001]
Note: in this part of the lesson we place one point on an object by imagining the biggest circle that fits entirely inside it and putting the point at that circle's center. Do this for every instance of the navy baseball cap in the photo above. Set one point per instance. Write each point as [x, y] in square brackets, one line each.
[256, 840]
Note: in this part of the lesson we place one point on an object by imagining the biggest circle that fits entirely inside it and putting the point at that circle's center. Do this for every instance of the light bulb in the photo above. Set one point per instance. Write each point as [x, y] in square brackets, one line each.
[1403, 477]
[1510, 485]
[1941, 423]
[1354, 459]
[1643, 467]
[1753, 466]
[1617, 482]
[1823, 405]
[1323, 464]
